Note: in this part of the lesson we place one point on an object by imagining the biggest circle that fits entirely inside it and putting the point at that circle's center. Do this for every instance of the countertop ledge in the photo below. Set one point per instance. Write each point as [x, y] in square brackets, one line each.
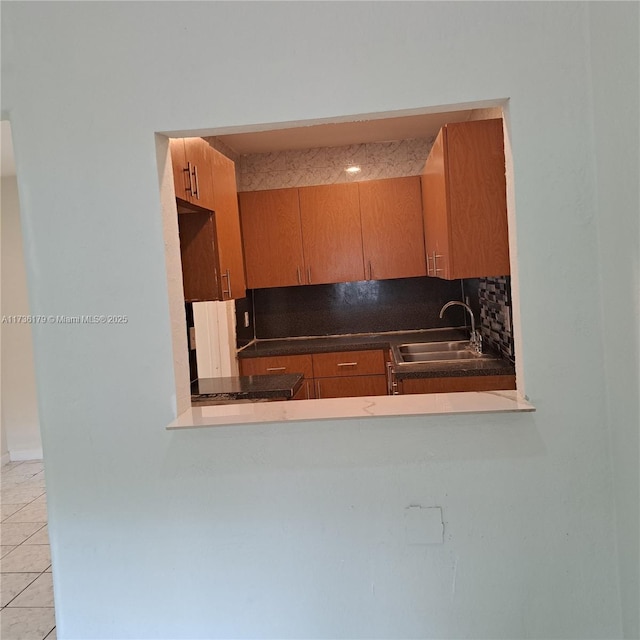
[346, 408]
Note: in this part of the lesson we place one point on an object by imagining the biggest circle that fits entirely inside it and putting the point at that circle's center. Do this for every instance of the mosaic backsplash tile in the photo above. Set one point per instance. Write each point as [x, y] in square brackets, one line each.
[496, 324]
[326, 165]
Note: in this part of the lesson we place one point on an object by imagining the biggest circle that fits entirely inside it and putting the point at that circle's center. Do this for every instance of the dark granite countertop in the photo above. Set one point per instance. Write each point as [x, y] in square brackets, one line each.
[488, 366]
[263, 387]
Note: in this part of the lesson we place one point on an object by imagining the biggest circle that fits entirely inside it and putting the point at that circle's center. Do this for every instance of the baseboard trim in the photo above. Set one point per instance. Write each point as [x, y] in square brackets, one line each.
[19, 455]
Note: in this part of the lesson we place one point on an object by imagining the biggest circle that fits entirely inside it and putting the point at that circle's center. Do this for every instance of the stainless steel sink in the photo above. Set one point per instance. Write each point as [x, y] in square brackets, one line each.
[427, 347]
[424, 352]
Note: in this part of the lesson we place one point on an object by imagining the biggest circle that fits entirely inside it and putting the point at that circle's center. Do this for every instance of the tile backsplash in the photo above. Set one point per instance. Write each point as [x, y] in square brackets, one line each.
[355, 307]
[496, 324]
[326, 165]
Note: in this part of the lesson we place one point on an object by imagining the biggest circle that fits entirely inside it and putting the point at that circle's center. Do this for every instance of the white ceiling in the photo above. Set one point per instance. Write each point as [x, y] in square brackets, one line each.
[7, 164]
[343, 133]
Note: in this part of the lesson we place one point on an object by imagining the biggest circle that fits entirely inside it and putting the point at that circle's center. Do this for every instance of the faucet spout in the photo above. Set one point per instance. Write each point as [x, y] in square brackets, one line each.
[475, 340]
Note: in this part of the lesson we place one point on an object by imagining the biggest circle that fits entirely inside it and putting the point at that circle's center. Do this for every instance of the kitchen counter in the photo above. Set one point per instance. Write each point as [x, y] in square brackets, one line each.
[235, 388]
[497, 366]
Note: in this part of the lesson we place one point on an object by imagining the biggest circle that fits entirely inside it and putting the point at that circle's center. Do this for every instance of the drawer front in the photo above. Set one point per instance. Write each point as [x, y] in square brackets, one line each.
[350, 387]
[348, 363]
[451, 385]
[276, 364]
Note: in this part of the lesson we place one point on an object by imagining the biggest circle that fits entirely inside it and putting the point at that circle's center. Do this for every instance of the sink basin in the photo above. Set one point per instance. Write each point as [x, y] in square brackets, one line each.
[421, 352]
[440, 356]
[427, 347]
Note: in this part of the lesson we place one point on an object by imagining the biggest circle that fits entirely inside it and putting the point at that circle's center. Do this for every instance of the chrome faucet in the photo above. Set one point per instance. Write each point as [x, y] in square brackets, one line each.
[475, 341]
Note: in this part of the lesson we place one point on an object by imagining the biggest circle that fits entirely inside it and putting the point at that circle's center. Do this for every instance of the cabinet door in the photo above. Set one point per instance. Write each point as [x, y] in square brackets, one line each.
[225, 205]
[348, 363]
[272, 238]
[331, 233]
[392, 228]
[477, 199]
[198, 254]
[350, 387]
[198, 157]
[435, 207]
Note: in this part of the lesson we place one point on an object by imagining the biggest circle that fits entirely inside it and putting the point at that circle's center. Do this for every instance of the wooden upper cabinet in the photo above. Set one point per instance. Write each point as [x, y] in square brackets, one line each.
[222, 177]
[191, 162]
[464, 201]
[331, 233]
[272, 238]
[434, 206]
[392, 228]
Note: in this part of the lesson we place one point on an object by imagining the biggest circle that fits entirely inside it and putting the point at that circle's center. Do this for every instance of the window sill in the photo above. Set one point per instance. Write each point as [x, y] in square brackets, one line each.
[345, 408]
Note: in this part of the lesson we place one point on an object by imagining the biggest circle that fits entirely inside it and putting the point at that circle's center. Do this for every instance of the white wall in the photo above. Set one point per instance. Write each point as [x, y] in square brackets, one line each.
[20, 423]
[615, 63]
[298, 530]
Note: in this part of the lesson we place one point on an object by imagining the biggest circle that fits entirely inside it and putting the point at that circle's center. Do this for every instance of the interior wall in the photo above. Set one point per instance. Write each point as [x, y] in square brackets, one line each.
[300, 530]
[615, 64]
[20, 422]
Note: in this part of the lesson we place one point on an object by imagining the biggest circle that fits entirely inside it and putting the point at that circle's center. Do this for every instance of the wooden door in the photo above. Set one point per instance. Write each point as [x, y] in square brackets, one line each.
[225, 204]
[272, 238]
[199, 163]
[392, 228]
[477, 199]
[435, 205]
[198, 255]
[331, 233]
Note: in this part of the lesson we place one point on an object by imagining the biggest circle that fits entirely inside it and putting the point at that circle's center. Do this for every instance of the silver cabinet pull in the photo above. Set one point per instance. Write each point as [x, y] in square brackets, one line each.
[318, 394]
[389, 379]
[276, 368]
[195, 176]
[370, 271]
[347, 364]
[189, 188]
[299, 276]
[428, 265]
[435, 263]
[227, 275]
[309, 274]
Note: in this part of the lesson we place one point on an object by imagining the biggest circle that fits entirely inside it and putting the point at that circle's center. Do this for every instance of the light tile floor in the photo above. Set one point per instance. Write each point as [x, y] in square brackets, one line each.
[26, 592]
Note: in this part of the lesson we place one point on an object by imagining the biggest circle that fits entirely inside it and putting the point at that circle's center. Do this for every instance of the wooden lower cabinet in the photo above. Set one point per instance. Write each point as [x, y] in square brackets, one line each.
[451, 385]
[351, 386]
[340, 374]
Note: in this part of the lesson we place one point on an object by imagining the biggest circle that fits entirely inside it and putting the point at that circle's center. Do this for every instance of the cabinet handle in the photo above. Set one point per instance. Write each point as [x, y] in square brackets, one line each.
[389, 379]
[318, 394]
[188, 172]
[299, 276]
[195, 176]
[435, 257]
[428, 265]
[227, 275]
[370, 271]
[309, 274]
[347, 364]
[276, 368]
